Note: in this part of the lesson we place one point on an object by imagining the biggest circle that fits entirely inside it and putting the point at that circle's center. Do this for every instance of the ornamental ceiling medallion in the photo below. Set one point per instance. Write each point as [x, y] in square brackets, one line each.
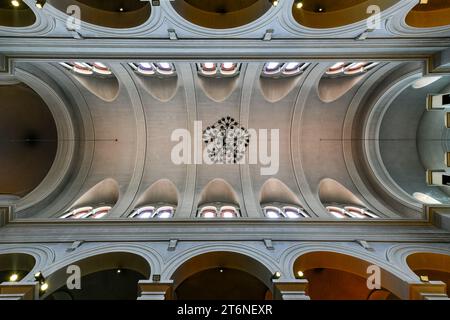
[226, 141]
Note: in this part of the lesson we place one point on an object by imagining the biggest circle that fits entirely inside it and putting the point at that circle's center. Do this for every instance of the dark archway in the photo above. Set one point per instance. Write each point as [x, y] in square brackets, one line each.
[336, 276]
[15, 263]
[434, 266]
[107, 276]
[28, 140]
[221, 14]
[109, 13]
[16, 17]
[222, 276]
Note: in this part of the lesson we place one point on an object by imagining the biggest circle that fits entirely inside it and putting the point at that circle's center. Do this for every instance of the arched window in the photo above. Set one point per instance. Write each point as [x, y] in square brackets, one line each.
[273, 212]
[98, 213]
[283, 69]
[77, 213]
[349, 68]
[150, 69]
[276, 211]
[165, 212]
[208, 212]
[213, 69]
[87, 69]
[354, 212]
[336, 212]
[153, 211]
[87, 212]
[228, 212]
[143, 213]
[218, 211]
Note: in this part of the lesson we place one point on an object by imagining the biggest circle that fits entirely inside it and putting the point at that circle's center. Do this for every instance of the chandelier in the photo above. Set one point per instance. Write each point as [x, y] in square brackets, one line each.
[226, 141]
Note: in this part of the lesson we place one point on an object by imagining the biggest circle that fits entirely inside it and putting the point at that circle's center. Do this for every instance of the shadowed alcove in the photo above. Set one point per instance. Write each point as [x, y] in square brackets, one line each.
[109, 13]
[222, 276]
[28, 140]
[332, 14]
[221, 14]
[108, 276]
[435, 13]
[15, 263]
[435, 266]
[16, 17]
[336, 276]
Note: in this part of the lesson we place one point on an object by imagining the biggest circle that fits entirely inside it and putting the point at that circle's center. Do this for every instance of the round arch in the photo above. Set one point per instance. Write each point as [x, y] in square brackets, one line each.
[15, 263]
[222, 267]
[434, 266]
[342, 265]
[221, 14]
[56, 275]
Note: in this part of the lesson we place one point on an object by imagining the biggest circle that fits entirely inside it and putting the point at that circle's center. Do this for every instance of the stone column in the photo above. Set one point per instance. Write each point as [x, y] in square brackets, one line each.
[150, 290]
[19, 291]
[432, 290]
[294, 289]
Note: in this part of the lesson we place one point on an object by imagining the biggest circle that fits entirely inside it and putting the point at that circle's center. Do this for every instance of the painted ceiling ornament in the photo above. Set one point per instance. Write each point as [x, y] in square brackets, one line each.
[226, 141]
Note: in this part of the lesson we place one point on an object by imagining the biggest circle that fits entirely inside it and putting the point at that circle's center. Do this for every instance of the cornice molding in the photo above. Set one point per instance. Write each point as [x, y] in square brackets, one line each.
[243, 229]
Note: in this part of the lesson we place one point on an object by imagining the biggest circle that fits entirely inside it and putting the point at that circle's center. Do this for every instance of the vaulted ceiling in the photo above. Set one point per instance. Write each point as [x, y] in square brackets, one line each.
[119, 128]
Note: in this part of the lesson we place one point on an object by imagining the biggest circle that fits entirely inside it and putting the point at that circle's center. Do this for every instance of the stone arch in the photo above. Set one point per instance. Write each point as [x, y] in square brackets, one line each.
[101, 259]
[331, 191]
[104, 192]
[218, 190]
[273, 190]
[161, 191]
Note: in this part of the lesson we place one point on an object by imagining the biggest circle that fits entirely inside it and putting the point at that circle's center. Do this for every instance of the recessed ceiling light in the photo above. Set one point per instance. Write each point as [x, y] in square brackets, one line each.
[14, 277]
[299, 4]
[15, 3]
[44, 287]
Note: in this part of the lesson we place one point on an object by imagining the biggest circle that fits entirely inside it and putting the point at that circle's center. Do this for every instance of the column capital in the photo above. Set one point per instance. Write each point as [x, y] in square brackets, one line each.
[294, 289]
[19, 291]
[150, 290]
[432, 290]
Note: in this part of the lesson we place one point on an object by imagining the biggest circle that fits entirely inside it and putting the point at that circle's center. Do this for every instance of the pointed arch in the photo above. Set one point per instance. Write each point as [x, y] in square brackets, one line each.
[105, 192]
[275, 90]
[331, 191]
[218, 190]
[273, 190]
[331, 89]
[161, 191]
[106, 89]
[218, 89]
[162, 89]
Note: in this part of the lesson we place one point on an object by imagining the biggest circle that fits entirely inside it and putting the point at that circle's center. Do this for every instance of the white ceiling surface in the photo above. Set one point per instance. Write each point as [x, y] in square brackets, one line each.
[311, 146]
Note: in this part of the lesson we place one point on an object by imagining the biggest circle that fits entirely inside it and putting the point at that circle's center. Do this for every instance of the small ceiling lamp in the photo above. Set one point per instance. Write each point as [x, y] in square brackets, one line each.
[276, 275]
[44, 287]
[14, 277]
[320, 9]
[300, 274]
[15, 3]
[274, 2]
[299, 4]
